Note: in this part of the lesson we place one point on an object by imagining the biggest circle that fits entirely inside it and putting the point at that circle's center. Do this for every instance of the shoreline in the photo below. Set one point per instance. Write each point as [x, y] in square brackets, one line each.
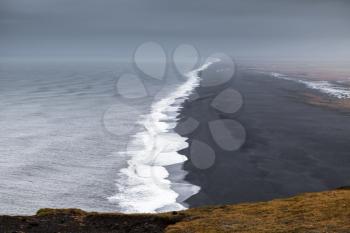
[146, 184]
[288, 150]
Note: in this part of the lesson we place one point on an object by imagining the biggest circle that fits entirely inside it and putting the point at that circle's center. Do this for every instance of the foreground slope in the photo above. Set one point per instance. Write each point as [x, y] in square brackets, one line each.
[311, 212]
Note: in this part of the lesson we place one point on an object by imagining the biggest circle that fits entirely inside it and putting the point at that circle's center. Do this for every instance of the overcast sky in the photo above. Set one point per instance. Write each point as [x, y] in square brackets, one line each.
[113, 28]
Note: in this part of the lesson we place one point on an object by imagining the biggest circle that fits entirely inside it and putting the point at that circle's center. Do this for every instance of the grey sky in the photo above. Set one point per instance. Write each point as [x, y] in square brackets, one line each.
[112, 28]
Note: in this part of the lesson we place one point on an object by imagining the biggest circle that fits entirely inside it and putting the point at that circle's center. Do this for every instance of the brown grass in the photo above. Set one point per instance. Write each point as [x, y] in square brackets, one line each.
[311, 212]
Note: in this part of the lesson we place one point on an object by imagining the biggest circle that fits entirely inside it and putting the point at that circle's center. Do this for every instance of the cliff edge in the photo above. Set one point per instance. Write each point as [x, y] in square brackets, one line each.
[327, 211]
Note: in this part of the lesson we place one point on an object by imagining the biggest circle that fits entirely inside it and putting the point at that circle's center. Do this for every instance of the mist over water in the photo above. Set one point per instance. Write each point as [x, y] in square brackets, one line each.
[88, 29]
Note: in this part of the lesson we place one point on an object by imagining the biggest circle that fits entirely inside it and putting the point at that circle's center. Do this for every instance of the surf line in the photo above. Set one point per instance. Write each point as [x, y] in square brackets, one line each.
[143, 185]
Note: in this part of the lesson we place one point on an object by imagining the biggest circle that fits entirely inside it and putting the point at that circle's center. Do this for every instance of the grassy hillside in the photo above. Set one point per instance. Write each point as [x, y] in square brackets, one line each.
[311, 212]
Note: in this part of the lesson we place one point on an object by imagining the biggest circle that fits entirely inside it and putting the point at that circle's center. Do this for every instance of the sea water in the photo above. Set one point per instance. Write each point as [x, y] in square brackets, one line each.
[63, 142]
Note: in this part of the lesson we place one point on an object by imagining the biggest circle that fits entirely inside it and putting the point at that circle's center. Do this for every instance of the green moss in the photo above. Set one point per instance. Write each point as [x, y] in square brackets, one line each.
[48, 211]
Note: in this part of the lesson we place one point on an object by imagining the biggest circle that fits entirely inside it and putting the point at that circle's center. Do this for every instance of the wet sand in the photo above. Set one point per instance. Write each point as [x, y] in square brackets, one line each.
[292, 145]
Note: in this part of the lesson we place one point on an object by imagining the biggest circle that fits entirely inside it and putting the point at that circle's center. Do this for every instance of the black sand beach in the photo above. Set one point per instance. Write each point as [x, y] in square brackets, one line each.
[291, 146]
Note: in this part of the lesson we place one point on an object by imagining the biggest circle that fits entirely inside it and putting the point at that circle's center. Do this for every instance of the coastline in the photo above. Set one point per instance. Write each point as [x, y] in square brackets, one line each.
[146, 185]
[292, 146]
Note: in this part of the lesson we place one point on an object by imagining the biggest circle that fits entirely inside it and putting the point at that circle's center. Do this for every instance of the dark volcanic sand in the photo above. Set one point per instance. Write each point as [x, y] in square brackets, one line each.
[291, 146]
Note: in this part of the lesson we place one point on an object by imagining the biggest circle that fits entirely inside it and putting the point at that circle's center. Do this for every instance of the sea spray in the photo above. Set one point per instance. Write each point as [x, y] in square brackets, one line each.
[143, 186]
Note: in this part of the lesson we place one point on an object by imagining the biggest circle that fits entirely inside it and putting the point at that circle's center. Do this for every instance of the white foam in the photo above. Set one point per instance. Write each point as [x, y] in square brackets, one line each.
[336, 90]
[281, 76]
[143, 186]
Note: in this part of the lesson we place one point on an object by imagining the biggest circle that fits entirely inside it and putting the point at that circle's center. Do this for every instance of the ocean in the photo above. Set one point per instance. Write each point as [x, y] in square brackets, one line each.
[72, 138]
